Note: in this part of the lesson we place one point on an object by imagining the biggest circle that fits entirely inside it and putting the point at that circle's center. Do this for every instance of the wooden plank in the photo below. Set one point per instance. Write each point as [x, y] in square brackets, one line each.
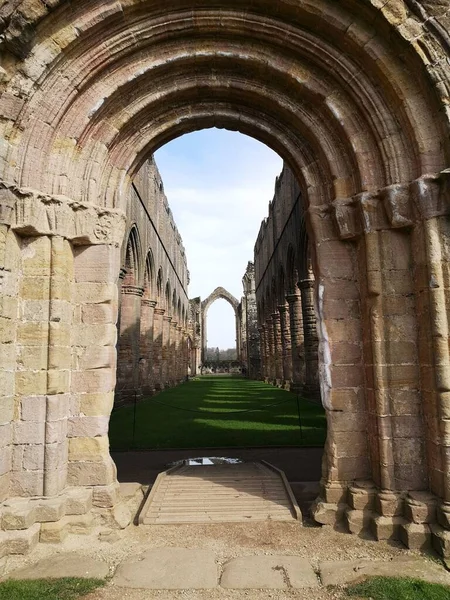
[219, 493]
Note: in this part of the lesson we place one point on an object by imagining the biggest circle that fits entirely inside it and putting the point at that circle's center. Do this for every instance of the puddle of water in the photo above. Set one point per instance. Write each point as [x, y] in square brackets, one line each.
[206, 460]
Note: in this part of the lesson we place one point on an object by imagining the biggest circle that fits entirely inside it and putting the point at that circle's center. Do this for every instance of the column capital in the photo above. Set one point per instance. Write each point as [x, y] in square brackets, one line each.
[306, 284]
[293, 297]
[275, 316]
[150, 303]
[159, 311]
[167, 318]
[132, 290]
[31, 212]
[283, 308]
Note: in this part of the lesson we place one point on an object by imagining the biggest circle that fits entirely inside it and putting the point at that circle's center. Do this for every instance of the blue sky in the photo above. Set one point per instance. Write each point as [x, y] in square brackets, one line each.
[218, 184]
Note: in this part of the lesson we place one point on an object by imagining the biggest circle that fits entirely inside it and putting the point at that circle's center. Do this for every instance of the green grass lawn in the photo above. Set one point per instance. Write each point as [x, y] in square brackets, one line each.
[386, 588]
[217, 421]
[48, 589]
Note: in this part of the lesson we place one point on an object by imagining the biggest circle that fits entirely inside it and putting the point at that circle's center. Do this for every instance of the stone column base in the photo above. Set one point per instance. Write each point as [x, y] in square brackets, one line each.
[418, 519]
[25, 522]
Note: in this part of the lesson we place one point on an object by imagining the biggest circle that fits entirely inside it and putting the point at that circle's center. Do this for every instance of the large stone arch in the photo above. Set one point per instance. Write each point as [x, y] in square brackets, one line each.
[354, 96]
[219, 293]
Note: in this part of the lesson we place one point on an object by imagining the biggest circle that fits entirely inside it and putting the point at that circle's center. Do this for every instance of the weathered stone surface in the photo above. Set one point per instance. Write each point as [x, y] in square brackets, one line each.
[268, 572]
[169, 569]
[64, 565]
[122, 515]
[347, 571]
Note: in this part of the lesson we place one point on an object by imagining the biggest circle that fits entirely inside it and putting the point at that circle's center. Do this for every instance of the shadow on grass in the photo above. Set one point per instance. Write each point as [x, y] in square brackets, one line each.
[200, 414]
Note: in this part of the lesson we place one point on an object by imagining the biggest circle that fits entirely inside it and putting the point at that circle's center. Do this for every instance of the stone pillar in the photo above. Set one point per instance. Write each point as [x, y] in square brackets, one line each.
[158, 347]
[270, 350]
[297, 340]
[278, 348]
[10, 326]
[128, 347]
[95, 298]
[173, 354]
[310, 336]
[165, 363]
[262, 345]
[146, 384]
[181, 367]
[286, 343]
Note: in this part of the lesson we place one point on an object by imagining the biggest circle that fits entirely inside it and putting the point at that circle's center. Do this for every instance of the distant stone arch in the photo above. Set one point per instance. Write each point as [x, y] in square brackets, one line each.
[220, 293]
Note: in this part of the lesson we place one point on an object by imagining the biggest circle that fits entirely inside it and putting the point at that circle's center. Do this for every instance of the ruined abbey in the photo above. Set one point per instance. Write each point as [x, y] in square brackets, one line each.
[346, 299]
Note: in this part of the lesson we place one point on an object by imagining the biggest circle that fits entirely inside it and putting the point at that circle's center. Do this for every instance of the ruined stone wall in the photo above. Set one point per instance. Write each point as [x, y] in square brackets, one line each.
[284, 292]
[152, 255]
[250, 339]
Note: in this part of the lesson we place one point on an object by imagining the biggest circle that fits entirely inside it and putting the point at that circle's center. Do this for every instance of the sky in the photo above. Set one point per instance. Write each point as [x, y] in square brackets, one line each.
[218, 184]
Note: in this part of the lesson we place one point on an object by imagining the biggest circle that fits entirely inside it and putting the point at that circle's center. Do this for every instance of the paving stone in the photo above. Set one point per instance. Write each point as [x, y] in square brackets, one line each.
[268, 572]
[169, 569]
[64, 565]
[341, 572]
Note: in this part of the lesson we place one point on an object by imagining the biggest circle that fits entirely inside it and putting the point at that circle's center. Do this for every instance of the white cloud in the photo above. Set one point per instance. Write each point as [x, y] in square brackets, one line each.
[218, 184]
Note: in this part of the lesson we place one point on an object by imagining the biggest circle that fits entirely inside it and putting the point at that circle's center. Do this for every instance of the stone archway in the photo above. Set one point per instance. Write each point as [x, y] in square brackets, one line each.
[354, 96]
[219, 293]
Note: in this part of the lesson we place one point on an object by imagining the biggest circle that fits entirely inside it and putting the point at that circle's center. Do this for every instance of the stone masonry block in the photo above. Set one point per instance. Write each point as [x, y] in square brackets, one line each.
[54, 533]
[96, 264]
[58, 407]
[56, 456]
[18, 514]
[84, 427]
[28, 432]
[96, 404]
[93, 314]
[415, 536]
[7, 383]
[56, 431]
[90, 473]
[36, 256]
[49, 510]
[6, 434]
[94, 293]
[94, 381]
[358, 520]
[58, 382]
[420, 507]
[27, 483]
[90, 449]
[33, 457]
[33, 408]
[4, 486]
[80, 524]
[5, 460]
[106, 496]
[78, 501]
[20, 542]
[6, 410]
[31, 382]
[386, 528]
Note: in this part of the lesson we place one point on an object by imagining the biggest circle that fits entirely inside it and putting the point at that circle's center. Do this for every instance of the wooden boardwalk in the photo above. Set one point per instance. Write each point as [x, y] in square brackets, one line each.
[252, 491]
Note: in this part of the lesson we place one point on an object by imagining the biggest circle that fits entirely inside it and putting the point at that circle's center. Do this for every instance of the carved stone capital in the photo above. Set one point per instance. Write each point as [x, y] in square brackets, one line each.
[397, 203]
[431, 195]
[372, 211]
[150, 303]
[293, 298]
[29, 212]
[283, 308]
[132, 290]
[346, 218]
[306, 284]
[159, 311]
[167, 318]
